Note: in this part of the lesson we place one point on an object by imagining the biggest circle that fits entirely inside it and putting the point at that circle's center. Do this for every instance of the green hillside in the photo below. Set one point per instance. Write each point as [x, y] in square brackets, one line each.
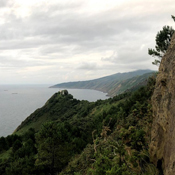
[69, 136]
[113, 84]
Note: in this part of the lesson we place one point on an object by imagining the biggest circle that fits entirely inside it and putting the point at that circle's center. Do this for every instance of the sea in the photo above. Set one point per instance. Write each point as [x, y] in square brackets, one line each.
[17, 102]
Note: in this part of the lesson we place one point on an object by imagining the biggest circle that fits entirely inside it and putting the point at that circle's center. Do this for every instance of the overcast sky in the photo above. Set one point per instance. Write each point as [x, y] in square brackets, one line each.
[53, 41]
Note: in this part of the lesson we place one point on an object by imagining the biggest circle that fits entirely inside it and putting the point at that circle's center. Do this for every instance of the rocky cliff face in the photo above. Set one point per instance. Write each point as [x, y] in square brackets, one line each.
[162, 147]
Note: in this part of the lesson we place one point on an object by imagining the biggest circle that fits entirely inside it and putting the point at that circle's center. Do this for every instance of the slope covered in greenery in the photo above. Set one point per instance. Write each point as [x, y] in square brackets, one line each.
[68, 136]
[113, 84]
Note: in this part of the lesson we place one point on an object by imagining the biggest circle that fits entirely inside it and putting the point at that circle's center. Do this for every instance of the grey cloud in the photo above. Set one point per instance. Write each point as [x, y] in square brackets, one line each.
[56, 49]
[72, 28]
[5, 3]
[13, 62]
[111, 58]
[126, 56]
[58, 32]
[88, 66]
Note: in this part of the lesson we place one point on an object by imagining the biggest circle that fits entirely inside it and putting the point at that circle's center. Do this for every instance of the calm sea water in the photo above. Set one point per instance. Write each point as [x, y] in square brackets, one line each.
[18, 101]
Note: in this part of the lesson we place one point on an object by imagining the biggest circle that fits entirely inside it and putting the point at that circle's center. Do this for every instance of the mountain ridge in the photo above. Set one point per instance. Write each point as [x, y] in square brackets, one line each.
[113, 84]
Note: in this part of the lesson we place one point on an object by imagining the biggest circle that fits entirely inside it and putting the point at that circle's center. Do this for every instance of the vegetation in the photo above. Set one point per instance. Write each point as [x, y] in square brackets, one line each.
[68, 136]
[72, 137]
[163, 39]
[113, 84]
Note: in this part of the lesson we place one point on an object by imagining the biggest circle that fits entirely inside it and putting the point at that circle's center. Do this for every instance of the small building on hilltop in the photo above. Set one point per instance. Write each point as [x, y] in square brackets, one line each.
[64, 92]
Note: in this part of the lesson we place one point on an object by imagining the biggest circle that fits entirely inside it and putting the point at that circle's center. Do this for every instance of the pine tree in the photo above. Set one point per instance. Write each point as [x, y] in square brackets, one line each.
[163, 39]
[48, 141]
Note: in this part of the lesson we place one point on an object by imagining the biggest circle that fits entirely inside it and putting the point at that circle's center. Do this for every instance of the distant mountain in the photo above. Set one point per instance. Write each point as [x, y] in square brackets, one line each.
[113, 84]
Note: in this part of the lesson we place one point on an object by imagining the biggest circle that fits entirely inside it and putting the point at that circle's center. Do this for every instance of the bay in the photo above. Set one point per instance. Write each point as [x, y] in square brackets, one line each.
[18, 101]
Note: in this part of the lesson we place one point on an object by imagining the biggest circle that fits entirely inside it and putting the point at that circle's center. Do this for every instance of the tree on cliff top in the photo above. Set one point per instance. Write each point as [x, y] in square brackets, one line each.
[163, 39]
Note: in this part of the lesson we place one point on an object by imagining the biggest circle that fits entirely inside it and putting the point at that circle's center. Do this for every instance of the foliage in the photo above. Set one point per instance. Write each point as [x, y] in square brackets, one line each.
[80, 137]
[51, 146]
[173, 17]
[125, 150]
[163, 39]
[113, 84]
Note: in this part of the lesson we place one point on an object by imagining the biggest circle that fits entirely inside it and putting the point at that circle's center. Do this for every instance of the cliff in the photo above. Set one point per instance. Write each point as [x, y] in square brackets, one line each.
[162, 146]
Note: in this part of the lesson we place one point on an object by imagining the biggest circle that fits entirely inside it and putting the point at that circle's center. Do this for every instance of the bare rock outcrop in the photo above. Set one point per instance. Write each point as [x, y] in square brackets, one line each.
[162, 146]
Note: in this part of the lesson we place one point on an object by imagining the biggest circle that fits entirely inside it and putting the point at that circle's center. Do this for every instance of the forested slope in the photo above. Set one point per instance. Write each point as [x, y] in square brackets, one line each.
[113, 84]
[68, 136]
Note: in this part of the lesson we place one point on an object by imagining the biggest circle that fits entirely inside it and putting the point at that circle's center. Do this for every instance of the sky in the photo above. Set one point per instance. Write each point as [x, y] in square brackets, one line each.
[54, 41]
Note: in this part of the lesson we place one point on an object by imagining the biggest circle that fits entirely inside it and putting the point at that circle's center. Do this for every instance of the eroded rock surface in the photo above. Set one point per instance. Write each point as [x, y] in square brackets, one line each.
[162, 147]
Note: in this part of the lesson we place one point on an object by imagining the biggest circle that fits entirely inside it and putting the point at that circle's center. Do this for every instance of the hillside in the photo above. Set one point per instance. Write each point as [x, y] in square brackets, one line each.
[69, 136]
[113, 84]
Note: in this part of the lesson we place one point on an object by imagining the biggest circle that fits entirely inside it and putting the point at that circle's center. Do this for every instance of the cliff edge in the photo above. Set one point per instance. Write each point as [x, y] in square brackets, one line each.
[162, 146]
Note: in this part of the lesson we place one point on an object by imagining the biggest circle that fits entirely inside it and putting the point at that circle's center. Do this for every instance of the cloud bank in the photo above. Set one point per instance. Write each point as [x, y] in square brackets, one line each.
[57, 41]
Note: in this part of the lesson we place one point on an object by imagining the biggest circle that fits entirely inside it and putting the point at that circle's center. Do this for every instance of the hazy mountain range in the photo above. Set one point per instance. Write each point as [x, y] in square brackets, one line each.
[112, 84]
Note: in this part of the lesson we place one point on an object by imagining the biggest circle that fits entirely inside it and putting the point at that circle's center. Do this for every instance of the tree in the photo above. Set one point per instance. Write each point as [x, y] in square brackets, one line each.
[17, 144]
[163, 39]
[52, 151]
[3, 144]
